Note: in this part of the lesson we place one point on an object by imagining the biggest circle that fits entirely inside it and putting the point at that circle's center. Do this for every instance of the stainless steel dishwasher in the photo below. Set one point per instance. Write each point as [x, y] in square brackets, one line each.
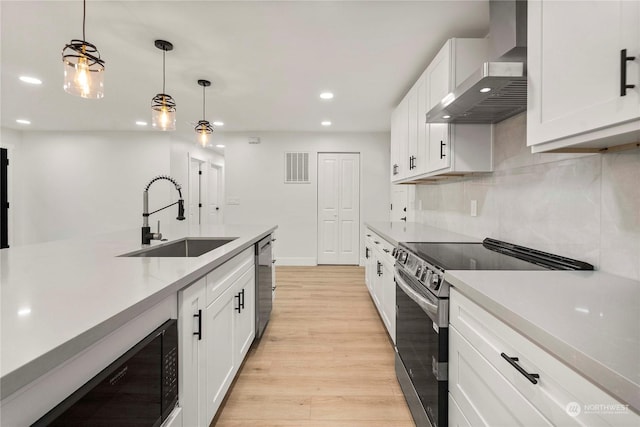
[264, 283]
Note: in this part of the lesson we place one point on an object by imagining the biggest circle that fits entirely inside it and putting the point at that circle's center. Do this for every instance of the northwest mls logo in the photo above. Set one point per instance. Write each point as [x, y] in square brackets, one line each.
[573, 409]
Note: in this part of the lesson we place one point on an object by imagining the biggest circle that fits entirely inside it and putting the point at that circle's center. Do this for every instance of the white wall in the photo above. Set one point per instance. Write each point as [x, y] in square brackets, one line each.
[70, 184]
[255, 178]
[581, 206]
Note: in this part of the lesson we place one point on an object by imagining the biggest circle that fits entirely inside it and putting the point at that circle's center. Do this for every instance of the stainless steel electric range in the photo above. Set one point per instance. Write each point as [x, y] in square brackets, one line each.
[422, 311]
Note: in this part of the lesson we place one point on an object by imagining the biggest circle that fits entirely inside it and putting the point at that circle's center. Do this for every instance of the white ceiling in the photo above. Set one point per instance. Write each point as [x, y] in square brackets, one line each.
[268, 60]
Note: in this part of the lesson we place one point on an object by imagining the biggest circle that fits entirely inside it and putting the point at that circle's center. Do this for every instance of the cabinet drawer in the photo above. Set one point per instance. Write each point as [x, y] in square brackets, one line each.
[484, 396]
[558, 387]
[223, 276]
[383, 247]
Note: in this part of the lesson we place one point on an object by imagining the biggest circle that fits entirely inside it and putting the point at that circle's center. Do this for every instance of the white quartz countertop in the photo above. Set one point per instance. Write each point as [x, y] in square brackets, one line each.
[59, 298]
[396, 232]
[589, 320]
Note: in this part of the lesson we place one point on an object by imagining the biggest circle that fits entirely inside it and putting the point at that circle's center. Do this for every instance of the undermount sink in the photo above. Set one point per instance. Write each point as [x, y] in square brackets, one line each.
[187, 247]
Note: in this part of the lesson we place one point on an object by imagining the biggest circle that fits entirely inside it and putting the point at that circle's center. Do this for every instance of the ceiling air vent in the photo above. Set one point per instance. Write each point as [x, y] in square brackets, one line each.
[296, 168]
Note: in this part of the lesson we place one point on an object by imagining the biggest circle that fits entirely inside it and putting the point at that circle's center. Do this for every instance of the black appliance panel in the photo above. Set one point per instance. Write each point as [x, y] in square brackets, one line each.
[139, 389]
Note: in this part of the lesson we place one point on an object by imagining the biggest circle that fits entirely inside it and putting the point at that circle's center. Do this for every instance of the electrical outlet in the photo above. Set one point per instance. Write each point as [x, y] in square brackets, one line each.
[474, 208]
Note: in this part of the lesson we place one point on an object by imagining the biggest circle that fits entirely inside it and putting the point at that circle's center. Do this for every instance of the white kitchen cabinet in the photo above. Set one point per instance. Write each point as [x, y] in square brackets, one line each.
[574, 77]
[379, 272]
[191, 305]
[217, 326]
[490, 390]
[435, 150]
[399, 140]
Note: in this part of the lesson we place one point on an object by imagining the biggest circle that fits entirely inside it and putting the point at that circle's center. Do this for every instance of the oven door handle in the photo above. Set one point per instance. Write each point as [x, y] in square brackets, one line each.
[430, 307]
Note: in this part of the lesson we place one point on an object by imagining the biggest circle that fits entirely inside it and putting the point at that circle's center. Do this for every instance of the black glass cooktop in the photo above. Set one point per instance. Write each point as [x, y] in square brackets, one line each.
[491, 255]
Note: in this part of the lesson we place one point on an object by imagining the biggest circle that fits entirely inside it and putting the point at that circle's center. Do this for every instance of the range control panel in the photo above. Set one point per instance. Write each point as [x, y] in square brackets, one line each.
[427, 274]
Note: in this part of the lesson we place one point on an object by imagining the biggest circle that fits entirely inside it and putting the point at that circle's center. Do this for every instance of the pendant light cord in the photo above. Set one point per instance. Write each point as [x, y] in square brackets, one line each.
[203, 103]
[84, 17]
[164, 53]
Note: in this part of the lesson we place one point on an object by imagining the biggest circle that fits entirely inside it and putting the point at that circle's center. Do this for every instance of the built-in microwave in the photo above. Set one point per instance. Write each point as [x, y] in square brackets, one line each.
[139, 389]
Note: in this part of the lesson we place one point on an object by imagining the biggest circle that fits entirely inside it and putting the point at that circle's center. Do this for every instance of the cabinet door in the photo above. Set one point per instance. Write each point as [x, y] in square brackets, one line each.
[412, 137]
[439, 146]
[439, 76]
[389, 299]
[191, 353]
[402, 123]
[245, 325]
[422, 161]
[575, 76]
[395, 146]
[219, 339]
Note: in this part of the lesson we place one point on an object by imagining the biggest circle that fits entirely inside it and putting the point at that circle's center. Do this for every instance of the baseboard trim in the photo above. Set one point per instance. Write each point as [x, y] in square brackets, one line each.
[296, 261]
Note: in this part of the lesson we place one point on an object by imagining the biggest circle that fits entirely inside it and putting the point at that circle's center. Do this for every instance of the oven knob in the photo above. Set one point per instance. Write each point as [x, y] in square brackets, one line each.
[393, 252]
[418, 271]
[435, 281]
[424, 274]
[427, 278]
[406, 257]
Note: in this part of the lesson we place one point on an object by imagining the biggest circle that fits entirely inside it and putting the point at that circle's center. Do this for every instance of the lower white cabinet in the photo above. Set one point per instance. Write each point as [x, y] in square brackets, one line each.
[531, 388]
[217, 326]
[379, 273]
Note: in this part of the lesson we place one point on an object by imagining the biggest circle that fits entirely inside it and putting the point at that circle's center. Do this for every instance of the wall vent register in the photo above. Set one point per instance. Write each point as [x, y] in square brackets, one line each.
[296, 168]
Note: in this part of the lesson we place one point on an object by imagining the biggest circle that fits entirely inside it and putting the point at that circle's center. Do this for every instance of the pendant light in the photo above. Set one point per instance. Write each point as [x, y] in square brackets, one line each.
[83, 67]
[203, 128]
[163, 107]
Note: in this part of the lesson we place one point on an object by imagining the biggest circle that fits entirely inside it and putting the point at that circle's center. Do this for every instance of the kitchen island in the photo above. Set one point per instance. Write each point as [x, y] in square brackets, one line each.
[60, 299]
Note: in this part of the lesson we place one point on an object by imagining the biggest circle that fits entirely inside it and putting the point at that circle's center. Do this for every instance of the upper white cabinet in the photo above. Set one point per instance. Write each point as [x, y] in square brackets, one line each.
[577, 73]
[422, 151]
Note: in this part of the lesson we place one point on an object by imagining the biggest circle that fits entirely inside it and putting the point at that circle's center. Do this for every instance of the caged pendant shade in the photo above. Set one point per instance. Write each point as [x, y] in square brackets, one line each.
[163, 107]
[83, 67]
[203, 128]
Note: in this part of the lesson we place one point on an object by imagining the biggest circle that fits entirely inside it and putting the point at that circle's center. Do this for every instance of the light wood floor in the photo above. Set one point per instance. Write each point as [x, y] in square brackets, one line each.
[324, 360]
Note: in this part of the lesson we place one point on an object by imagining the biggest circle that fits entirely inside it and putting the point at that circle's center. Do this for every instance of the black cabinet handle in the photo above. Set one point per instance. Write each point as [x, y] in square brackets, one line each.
[242, 299]
[442, 155]
[239, 307]
[273, 261]
[386, 250]
[366, 253]
[199, 333]
[412, 162]
[512, 361]
[623, 72]
[378, 270]
[376, 242]
[404, 218]
[395, 169]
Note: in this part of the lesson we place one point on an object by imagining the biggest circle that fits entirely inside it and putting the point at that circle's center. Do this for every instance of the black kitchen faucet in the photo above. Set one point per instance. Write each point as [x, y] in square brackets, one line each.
[147, 235]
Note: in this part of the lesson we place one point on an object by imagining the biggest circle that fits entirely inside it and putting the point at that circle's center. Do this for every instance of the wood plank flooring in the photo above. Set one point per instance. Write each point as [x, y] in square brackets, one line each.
[324, 360]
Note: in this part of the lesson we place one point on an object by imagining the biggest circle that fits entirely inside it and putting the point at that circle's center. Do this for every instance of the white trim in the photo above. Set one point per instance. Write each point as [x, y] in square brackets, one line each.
[296, 261]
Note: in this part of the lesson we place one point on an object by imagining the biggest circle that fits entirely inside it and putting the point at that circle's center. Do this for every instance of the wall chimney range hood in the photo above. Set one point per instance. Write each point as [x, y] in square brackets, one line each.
[498, 90]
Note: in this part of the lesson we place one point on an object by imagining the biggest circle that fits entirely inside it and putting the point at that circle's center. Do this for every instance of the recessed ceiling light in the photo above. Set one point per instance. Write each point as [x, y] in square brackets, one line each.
[24, 311]
[218, 123]
[326, 95]
[23, 121]
[446, 117]
[485, 89]
[326, 123]
[141, 123]
[220, 145]
[31, 80]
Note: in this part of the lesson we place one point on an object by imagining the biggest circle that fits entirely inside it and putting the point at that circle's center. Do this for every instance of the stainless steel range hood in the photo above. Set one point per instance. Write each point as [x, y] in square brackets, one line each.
[498, 90]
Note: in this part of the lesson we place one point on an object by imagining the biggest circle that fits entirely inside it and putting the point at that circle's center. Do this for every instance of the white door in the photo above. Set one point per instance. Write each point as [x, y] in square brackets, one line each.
[195, 182]
[338, 208]
[214, 195]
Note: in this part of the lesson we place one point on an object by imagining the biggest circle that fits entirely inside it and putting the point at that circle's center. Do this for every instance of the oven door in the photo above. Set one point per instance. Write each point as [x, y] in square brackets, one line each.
[422, 345]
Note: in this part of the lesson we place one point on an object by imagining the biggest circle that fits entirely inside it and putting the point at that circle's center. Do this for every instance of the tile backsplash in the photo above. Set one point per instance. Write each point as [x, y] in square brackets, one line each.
[584, 206]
